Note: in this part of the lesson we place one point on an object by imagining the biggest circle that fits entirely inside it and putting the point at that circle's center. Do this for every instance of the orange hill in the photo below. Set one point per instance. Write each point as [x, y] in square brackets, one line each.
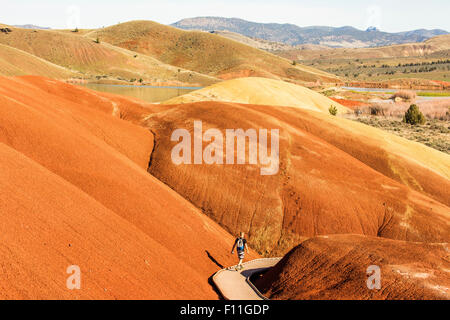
[205, 53]
[335, 176]
[75, 191]
[334, 267]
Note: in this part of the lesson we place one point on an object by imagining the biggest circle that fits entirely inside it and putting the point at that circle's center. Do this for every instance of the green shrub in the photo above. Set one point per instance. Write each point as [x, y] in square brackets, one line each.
[333, 110]
[413, 116]
[328, 93]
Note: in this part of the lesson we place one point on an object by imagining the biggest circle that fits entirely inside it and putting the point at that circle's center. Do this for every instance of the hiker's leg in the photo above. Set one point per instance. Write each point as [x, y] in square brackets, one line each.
[240, 266]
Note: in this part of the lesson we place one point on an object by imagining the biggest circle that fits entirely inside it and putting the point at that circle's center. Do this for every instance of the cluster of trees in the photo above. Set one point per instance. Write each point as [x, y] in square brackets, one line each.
[423, 69]
[367, 70]
[424, 63]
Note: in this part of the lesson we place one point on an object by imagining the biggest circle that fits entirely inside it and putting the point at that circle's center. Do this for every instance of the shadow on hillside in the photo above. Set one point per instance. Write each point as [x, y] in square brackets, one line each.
[214, 260]
[210, 279]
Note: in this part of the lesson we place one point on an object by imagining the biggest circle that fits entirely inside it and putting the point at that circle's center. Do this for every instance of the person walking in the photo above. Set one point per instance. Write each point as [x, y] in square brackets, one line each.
[241, 246]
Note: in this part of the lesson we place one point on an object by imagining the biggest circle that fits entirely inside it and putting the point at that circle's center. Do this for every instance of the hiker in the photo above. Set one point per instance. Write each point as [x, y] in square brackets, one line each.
[241, 245]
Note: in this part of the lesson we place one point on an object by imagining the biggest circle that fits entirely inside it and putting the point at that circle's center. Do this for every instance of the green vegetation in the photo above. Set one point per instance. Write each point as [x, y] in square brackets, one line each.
[413, 116]
[333, 110]
[434, 133]
[434, 94]
[329, 92]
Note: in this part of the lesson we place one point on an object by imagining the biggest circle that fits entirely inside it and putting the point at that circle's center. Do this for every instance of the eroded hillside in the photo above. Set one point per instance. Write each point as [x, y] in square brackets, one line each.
[205, 53]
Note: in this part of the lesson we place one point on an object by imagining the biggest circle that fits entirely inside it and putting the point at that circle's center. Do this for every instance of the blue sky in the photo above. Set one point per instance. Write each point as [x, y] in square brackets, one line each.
[388, 15]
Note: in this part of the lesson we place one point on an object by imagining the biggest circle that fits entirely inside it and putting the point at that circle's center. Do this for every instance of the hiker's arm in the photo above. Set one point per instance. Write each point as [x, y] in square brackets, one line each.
[232, 250]
[246, 247]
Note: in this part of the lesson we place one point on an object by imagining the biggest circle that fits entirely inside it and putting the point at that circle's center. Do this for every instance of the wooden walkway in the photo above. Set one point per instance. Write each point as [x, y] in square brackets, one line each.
[235, 285]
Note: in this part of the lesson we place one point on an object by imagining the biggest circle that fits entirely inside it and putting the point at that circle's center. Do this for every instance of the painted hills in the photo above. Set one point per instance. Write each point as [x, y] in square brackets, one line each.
[334, 267]
[146, 51]
[82, 57]
[17, 62]
[336, 176]
[261, 91]
[87, 179]
[75, 191]
[205, 53]
[254, 42]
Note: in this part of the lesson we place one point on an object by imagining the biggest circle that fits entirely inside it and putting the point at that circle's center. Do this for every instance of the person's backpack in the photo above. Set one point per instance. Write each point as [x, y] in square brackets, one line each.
[240, 244]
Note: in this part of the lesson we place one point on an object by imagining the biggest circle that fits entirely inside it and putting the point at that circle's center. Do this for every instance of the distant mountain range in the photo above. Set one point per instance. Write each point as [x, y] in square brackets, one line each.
[344, 37]
[30, 26]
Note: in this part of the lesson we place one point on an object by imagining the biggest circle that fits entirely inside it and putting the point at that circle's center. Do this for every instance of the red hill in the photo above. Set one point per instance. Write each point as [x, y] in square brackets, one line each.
[75, 191]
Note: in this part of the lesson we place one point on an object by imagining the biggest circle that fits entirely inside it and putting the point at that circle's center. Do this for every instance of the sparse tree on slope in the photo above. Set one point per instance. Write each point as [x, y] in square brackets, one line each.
[413, 116]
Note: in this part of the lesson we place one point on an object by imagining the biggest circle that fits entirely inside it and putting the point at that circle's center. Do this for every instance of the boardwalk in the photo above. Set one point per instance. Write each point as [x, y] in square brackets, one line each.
[233, 285]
